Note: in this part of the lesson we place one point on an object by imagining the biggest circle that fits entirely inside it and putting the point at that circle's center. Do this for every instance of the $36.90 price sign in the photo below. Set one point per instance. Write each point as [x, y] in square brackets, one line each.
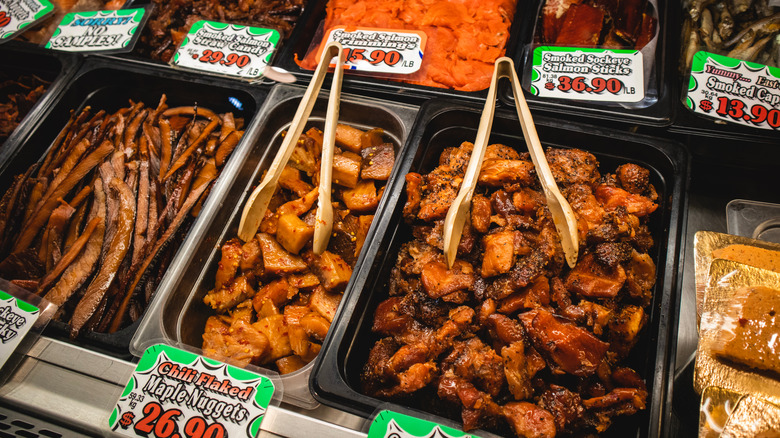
[178, 394]
[227, 49]
[588, 74]
[16, 15]
[380, 50]
[735, 91]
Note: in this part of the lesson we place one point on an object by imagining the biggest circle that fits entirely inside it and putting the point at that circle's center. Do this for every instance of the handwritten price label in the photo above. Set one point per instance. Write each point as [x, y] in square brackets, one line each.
[178, 394]
[736, 91]
[227, 49]
[588, 74]
[15, 15]
[380, 50]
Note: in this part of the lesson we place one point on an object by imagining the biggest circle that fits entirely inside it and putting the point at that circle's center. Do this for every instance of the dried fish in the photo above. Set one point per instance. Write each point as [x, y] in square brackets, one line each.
[725, 23]
[87, 248]
[740, 6]
[742, 29]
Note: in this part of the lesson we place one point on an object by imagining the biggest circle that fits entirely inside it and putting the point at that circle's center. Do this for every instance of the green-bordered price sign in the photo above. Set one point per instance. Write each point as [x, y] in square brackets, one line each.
[177, 394]
[227, 49]
[389, 424]
[733, 90]
[17, 317]
[16, 15]
[98, 31]
[380, 50]
[603, 75]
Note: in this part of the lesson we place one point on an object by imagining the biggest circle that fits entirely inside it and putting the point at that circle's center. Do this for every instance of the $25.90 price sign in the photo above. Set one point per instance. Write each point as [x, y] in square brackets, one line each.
[177, 394]
[588, 74]
[15, 15]
[227, 49]
[735, 91]
[380, 50]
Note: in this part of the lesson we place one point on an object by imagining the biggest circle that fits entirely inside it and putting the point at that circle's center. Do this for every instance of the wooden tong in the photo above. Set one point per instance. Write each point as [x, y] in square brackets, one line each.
[563, 215]
[255, 207]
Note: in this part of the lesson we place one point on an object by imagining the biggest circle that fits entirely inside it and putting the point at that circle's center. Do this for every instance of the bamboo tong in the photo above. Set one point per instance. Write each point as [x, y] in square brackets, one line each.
[255, 207]
[562, 214]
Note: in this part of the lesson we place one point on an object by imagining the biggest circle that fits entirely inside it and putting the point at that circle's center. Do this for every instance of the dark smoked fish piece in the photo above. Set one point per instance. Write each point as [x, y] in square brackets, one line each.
[163, 241]
[77, 273]
[81, 170]
[120, 245]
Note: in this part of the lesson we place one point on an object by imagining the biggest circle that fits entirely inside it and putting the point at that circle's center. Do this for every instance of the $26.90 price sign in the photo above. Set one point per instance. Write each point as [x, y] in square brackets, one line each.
[735, 91]
[588, 74]
[380, 50]
[227, 49]
[178, 394]
[16, 15]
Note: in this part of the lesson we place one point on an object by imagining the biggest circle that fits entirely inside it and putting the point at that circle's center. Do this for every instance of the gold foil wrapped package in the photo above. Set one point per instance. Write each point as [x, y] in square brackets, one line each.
[752, 418]
[739, 345]
[717, 404]
[709, 245]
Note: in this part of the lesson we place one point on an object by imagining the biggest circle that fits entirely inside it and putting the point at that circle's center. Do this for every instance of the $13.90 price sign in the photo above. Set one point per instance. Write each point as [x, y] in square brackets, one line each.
[227, 49]
[15, 15]
[380, 50]
[735, 91]
[177, 394]
[588, 74]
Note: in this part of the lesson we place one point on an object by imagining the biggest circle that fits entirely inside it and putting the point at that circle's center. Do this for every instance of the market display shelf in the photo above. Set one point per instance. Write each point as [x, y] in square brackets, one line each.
[74, 389]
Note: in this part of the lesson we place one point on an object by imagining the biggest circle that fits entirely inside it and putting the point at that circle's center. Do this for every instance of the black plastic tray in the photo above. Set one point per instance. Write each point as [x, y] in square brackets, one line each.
[109, 85]
[657, 114]
[686, 121]
[440, 124]
[304, 33]
[56, 67]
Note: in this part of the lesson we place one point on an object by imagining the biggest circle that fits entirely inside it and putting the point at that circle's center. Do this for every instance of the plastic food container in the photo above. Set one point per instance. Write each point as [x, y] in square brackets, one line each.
[307, 30]
[685, 120]
[442, 123]
[654, 110]
[754, 219]
[109, 85]
[178, 313]
[51, 66]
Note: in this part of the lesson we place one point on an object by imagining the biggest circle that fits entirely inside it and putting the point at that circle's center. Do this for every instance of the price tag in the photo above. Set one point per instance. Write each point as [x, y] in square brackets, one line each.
[380, 50]
[98, 31]
[17, 317]
[736, 91]
[389, 424]
[15, 15]
[177, 394]
[227, 49]
[602, 75]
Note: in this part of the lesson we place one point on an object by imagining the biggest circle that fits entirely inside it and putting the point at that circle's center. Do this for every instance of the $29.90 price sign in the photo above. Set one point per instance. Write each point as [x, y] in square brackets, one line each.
[380, 50]
[227, 49]
[16, 15]
[588, 74]
[177, 394]
[736, 91]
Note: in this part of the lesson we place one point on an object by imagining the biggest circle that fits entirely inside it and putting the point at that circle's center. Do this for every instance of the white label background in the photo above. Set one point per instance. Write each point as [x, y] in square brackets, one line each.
[578, 63]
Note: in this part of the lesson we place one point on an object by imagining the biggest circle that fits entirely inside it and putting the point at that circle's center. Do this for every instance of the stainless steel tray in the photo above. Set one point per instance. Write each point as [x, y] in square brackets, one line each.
[178, 315]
